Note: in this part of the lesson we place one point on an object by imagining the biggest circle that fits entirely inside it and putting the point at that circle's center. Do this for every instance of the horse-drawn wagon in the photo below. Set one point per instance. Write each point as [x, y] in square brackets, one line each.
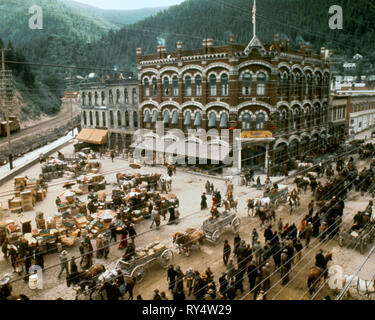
[213, 228]
[277, 197]
[358, 239]
[135, 267]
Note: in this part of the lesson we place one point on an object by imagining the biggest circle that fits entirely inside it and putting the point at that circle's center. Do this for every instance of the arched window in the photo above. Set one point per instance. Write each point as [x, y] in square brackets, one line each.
[223, 121]
[103, 98]
[188, 86]
[309, 92]
[104, 119]
[117, 96]
[91, 121]
[306, 118]
[212, 120]
[175, 119]
[154, 116]
[260, 121]
[295, 119]
[318, 87]
[83, 98]
[166, 86]
[246, 121]
[127, 118]
[135, 119]
[212, 85]
[198, 85]
[284, 120]
[246, 84]
[297, 85]
[154, 87]
[146, 87]
[126, 94]
[284, 85]
[198, 120]
[90, 99]
[147, 117]
[224, 85]
[187, 120]
[110, 96]
[119, 122]
[111, 119]
[84, 118]
[261, 84]
[134, 96]
[97, 118]
[96, 98]
[175, 86]
[166, 117]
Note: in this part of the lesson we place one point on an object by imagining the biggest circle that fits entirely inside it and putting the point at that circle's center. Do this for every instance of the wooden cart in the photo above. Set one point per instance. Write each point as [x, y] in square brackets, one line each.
[213, 229]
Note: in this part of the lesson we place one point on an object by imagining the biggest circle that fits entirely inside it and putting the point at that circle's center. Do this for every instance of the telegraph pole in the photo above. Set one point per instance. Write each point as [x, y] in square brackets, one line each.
[4, 97]
[70, 97]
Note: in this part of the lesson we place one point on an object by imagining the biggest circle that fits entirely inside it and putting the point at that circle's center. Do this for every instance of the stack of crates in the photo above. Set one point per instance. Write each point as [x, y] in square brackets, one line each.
[27, 200]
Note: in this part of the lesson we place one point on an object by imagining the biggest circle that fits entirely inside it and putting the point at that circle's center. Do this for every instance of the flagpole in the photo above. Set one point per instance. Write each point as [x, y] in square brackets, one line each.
[254, 17]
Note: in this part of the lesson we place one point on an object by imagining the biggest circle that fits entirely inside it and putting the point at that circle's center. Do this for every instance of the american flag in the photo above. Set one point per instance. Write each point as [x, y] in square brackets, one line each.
[254, 12]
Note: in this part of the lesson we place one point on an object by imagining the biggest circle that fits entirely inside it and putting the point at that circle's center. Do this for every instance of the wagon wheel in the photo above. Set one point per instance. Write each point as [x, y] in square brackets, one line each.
[276, 204]
[216, 236]
[166, 258]
[139, 273]
[235, 225]
[341, 240]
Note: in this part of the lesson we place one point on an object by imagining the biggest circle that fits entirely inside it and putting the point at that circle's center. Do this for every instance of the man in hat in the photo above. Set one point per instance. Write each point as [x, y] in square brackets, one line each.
[223, 283]
[156, 295]
[63, 263]
[285, 266]
[189, 280]
[308, 233]
[226, 252]
[203, 201]
[171, 277]
[179, 284]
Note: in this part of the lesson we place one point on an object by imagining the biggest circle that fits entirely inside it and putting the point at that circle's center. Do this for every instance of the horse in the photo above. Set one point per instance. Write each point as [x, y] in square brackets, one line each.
[230, 205]
[188, 239]
[316, 273]
[265, 214]
[252, 204]
[293, 201]
[108, 277]
[86, 278]
[302, 183]
[168, 181]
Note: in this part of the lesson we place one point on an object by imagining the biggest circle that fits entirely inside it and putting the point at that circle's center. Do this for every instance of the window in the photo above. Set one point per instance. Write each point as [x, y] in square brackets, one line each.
[111, 119]
[104, 119]
[309, 87]
[246, 84]
[224, 85]
[96, 98]
[212, 120]
[306, 118]
[318, 87]
[198, 85]
[166, 86]
[110, 96]
[97, 118]
[119, 122]
[306, 85]
[261, 84]
[175, 119]
[126, 118]
[84, 118]
[134, 96]
[90, 100]
[103, 98]
[175, 86]
[260, 121]
[126, 96]
[154, 116]
[117, 96]
[146, 117]
[83, 98]
[198, 120]
[284, 85]
[334, 114]
[154, 87]
[91, 121]
[135, 118]
[224, 121]
[166, 117]
[295, 119]
[187, 120]
[146, 88]
[212, 85]
[246, 121]
[284, 120]
[188, 86]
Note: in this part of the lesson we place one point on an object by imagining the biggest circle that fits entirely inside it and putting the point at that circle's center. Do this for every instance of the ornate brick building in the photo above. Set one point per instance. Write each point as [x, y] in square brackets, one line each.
[277, 96]
[111, 105]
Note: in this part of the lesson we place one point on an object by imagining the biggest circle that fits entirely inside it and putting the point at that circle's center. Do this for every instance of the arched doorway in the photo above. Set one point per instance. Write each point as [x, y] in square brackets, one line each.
[253, 157]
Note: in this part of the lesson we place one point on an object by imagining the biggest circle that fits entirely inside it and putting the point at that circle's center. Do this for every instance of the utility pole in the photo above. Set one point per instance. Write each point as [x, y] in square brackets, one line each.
[70, 97]
[6, 98]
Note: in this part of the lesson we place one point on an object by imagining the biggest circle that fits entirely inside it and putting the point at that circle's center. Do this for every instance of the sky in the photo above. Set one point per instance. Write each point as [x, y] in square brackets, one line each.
[129, 4]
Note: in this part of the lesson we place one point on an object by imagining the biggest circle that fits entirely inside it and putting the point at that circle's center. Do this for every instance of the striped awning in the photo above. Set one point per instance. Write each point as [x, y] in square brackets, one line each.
[94, 136]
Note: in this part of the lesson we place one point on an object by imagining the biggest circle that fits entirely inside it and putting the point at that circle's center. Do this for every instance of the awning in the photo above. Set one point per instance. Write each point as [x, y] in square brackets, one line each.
[154, 116]
[198, 119]
[146, 119]
[187, 121]
[224, 121]
[94, 136]
[175, 117]
[166, 117]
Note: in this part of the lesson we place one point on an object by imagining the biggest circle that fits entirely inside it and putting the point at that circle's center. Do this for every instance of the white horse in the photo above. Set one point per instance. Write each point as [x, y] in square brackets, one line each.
[168, 181]
[253, 204]
[337, 281]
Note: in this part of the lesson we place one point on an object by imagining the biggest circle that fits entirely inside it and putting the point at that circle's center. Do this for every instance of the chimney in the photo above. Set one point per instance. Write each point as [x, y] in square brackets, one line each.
[139, 55]
[231, 39]
[322, 53]
[204, 45]
[179, 48]
[163, 52]
[277, 42]
[303, 47]
[159, 52]
[209, 46]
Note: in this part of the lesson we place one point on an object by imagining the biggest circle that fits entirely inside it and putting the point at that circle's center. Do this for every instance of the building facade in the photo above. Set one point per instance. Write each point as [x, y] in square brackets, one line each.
[277, 96]
[111, 105]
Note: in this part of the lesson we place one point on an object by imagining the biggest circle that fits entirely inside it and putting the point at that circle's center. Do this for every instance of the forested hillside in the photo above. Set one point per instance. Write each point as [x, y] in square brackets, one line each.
[193, 20]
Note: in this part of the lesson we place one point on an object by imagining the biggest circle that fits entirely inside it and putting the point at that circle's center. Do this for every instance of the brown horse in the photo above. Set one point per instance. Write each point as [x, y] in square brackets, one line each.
[228, 205]
[186, 240]
[113, 291]
[84, 276]
[316, 273]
